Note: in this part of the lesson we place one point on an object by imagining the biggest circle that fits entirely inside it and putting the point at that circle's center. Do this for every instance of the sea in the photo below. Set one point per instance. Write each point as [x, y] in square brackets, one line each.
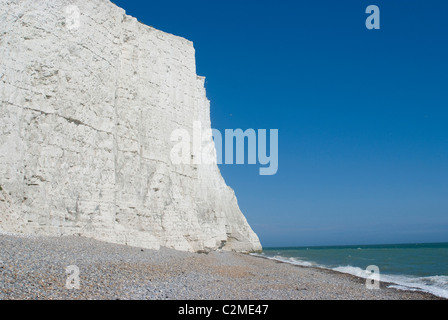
[414, 267]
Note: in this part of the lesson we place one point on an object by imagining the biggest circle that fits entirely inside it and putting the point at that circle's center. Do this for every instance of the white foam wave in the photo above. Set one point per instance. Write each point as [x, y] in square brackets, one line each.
[436, 285]
[289, 260]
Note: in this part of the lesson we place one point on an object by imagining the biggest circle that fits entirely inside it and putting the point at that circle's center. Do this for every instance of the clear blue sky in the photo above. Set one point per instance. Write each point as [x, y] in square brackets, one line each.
[362, 115]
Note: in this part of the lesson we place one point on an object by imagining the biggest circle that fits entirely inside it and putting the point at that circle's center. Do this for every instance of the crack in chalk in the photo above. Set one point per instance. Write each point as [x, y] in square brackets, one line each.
[69, 119]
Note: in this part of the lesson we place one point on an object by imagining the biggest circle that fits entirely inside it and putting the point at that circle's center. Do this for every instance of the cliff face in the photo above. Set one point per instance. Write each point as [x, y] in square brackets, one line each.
[87, 110]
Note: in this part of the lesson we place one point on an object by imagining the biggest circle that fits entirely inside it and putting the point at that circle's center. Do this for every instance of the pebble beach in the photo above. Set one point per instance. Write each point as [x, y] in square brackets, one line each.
[34, 267]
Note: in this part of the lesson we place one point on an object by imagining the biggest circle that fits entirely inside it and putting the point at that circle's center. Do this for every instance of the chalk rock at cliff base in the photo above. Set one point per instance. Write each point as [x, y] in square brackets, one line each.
[89, 100]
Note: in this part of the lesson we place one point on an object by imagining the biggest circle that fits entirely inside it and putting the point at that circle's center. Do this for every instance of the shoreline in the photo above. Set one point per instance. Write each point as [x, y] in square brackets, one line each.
[383, 284]
[34, 267]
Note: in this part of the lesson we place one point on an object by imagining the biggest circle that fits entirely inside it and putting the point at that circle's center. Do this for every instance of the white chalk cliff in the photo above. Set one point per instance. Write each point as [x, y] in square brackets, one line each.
[86, 113]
